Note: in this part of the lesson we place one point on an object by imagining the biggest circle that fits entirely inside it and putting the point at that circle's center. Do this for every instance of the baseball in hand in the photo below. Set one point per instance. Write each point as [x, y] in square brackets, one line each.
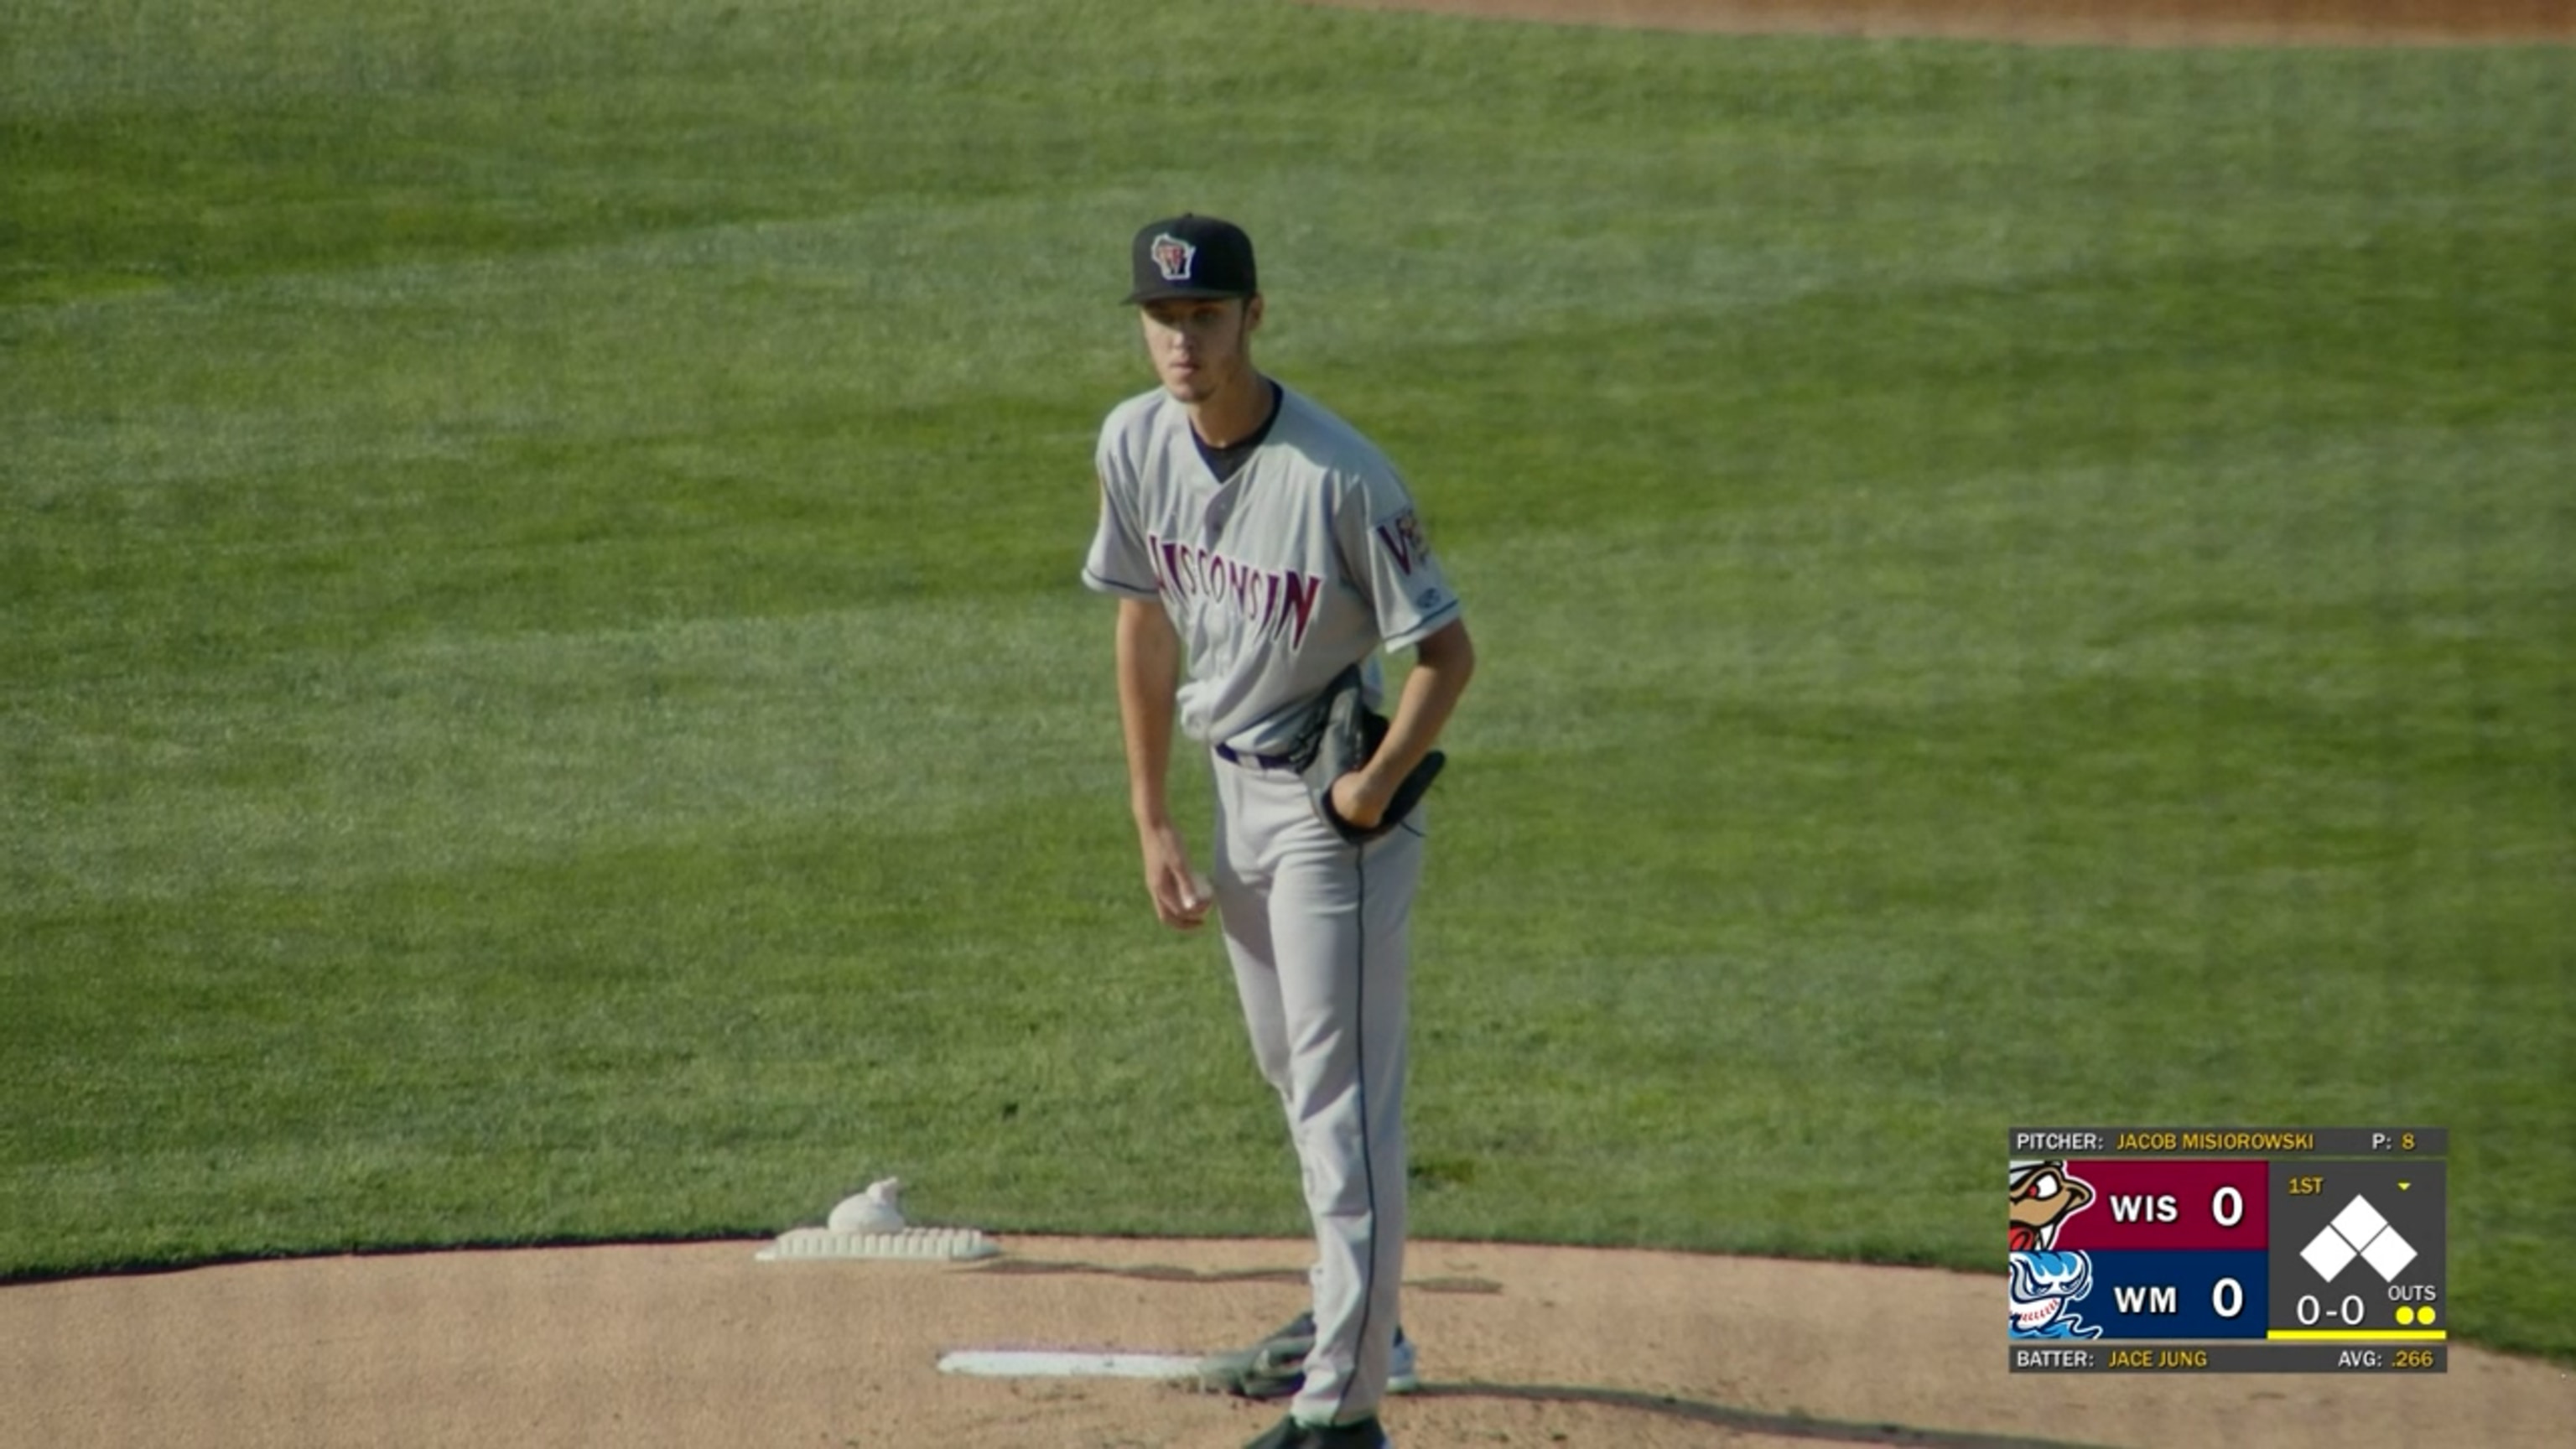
[1202, 890]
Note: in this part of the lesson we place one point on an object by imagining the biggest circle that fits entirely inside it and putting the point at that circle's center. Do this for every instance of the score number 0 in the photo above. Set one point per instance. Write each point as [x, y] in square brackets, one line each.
[2227, 1207]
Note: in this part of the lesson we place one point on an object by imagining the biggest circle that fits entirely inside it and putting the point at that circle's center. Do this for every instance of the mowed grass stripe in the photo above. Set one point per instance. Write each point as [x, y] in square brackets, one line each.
[316, 767]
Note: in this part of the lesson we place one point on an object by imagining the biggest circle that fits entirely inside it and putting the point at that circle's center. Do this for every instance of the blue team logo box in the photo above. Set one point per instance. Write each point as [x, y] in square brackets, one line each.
[2144, 1293]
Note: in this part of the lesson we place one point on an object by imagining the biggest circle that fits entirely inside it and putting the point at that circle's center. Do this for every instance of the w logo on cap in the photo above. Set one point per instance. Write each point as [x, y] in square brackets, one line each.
[1190, 256]
[1174, 257]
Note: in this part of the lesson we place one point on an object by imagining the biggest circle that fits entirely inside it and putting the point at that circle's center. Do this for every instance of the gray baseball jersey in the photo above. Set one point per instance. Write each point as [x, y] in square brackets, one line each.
[1309, 558]
[1306, 559]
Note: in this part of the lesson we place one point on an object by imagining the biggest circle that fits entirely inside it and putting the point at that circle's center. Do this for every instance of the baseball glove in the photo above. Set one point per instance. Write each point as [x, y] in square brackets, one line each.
[1348, 734]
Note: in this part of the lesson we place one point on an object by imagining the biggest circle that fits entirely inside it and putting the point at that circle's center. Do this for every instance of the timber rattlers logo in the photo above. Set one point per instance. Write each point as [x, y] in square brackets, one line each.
[1401, 537]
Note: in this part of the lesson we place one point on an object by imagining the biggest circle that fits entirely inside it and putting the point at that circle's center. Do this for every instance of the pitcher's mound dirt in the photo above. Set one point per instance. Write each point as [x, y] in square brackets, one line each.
[701, 1345]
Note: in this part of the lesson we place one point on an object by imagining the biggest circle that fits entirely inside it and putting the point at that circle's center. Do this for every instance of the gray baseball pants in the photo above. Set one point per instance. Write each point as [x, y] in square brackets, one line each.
[1316, 928]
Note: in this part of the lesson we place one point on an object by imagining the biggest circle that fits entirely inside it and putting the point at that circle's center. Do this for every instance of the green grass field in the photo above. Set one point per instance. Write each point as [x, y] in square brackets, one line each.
[544, 693]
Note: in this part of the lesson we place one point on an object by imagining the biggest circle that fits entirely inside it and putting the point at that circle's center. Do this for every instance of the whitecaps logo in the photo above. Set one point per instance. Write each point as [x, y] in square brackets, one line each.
[2044, 1285]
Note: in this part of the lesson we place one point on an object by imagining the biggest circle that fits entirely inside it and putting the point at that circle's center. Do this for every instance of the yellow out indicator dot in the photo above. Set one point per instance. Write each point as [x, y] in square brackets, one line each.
[2405, 1315]
[2423, 1315]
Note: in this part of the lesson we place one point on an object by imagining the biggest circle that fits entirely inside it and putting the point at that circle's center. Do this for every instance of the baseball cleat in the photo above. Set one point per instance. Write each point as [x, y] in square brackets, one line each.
[1290, 1434]
[1275, 1368]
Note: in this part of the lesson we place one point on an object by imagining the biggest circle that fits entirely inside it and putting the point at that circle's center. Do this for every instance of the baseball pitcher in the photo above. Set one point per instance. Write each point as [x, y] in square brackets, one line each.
[1264, 555]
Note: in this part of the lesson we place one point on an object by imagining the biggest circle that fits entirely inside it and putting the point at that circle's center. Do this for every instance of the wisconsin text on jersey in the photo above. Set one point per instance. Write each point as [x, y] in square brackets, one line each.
[1277, 602]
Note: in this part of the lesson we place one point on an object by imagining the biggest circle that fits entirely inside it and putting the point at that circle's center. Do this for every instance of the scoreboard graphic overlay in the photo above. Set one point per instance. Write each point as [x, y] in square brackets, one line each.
[2197, 1250]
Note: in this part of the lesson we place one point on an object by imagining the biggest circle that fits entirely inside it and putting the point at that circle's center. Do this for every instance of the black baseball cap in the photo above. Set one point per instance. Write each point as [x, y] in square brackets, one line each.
[1193, 256]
